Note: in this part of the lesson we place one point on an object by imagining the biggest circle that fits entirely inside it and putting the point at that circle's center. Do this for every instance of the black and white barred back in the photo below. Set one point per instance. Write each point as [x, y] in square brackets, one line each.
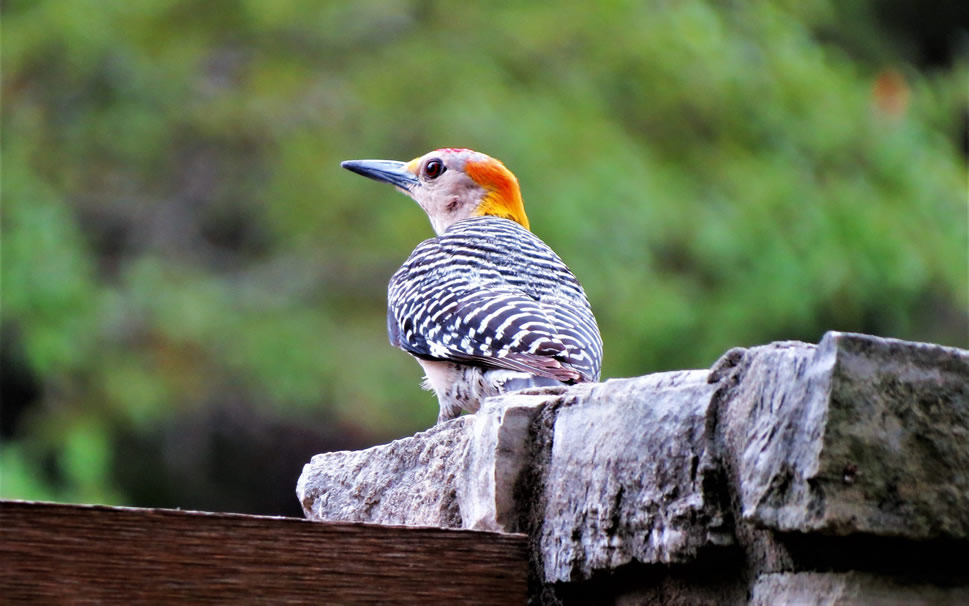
[487, 292]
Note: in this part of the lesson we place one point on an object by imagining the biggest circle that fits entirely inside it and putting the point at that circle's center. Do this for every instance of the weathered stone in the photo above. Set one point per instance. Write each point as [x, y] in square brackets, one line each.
[460, 474]
[626, 478]
[409, 481]
[857, 435]
[850, 589]
[759, 466]
[498, 455]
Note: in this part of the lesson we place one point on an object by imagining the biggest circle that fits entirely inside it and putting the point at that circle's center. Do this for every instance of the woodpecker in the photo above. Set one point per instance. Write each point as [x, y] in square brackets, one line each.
[485, 307]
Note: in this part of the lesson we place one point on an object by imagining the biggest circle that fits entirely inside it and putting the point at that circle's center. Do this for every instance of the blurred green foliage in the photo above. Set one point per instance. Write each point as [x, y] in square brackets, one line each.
[178, 236]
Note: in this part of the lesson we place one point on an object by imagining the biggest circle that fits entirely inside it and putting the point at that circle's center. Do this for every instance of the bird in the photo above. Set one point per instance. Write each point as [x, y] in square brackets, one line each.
[485, 306]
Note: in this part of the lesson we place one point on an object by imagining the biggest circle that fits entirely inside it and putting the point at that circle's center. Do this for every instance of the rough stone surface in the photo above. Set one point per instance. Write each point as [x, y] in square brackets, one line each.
[629, 476]
[498, 455]
[625, 480]
[789, 457]
[409, 481]
[850, 589]
[856, 435]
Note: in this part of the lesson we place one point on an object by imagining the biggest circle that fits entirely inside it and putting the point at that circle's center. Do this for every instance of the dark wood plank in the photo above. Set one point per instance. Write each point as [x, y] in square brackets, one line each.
[54, 553]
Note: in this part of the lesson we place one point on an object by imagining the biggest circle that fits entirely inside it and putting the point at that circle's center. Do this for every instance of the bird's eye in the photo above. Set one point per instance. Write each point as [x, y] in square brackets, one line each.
[434, 169]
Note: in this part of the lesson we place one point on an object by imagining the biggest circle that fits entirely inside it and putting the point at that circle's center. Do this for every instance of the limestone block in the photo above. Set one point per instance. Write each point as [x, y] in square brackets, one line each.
[857, 435]
[409, 481]
[850, 589]
[460, 474]
[631, 477]
[499, 452]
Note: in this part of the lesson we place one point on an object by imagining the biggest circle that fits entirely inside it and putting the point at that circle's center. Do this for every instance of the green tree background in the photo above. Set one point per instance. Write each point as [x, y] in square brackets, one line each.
[193, 291]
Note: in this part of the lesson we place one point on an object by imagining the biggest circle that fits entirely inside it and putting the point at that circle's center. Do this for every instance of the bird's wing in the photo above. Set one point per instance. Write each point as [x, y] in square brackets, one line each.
[468, 297]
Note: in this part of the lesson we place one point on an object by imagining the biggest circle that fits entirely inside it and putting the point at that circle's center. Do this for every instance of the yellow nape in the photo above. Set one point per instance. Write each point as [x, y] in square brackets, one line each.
[504, 198]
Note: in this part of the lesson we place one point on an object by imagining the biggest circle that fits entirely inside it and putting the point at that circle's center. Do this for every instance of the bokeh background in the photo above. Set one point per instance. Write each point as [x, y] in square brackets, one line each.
[193, 291]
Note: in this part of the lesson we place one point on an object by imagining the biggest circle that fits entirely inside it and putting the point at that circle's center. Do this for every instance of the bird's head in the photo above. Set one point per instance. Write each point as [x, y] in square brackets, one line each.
[451, 184]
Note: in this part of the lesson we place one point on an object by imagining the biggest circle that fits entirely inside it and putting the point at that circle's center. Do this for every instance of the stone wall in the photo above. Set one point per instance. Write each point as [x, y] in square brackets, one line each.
[835, 473]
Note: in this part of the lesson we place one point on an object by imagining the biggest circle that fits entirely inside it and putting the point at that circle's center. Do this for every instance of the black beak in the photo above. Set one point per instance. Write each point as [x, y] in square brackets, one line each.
[388, 171]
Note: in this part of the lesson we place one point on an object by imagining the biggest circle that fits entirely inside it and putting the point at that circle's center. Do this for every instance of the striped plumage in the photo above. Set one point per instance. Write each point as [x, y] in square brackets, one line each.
[489, 292]
[486, 307]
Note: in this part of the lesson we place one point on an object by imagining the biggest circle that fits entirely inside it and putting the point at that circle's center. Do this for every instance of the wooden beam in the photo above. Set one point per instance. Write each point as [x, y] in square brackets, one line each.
[53, 553]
